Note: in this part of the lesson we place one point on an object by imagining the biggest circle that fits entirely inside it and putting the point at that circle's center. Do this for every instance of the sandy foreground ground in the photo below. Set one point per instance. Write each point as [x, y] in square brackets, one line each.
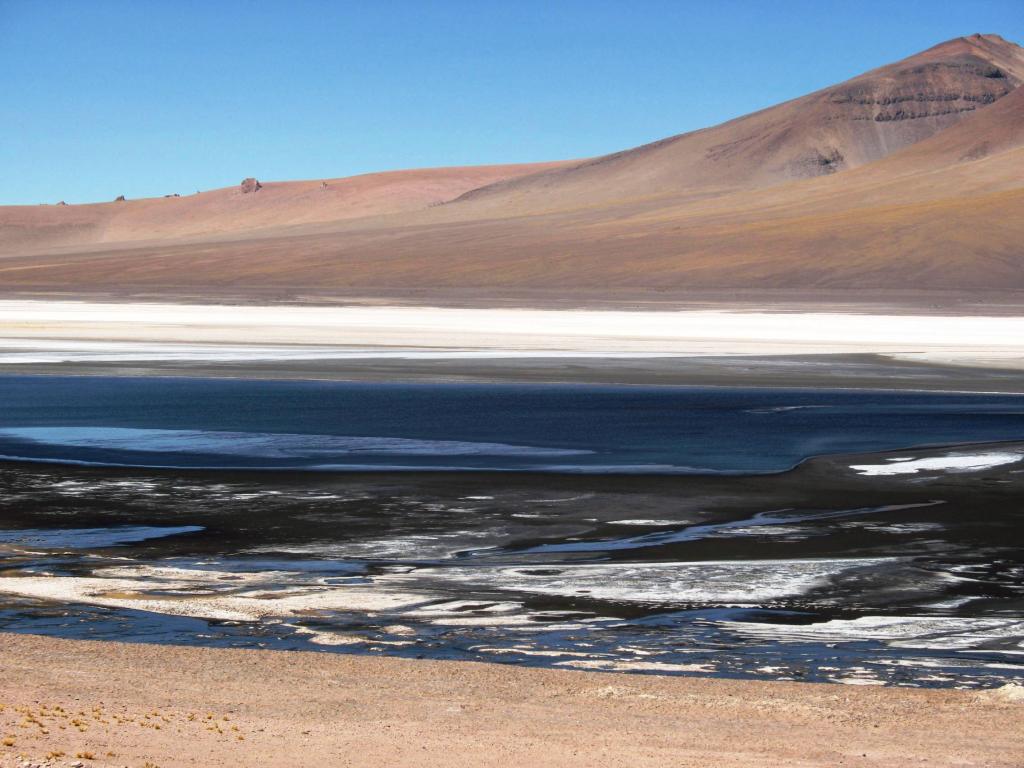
[146, 705]
[962, 340]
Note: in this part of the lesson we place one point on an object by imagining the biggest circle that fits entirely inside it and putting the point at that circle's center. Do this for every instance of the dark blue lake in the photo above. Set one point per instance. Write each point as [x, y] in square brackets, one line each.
[554, 428]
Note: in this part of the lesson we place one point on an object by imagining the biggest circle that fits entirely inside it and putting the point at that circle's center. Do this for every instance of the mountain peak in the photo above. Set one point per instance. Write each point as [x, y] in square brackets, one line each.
[978, 39]
[990, 37]
[1007, 56]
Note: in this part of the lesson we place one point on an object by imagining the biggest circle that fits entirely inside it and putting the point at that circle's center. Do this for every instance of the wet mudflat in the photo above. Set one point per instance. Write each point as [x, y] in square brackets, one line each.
[902, 568]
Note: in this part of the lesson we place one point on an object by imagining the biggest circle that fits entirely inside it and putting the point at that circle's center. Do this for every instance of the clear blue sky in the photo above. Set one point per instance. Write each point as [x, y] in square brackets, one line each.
[148, 98]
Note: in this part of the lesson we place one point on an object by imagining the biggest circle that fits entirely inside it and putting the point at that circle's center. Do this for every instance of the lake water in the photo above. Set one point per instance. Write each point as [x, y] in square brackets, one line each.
[558, 428]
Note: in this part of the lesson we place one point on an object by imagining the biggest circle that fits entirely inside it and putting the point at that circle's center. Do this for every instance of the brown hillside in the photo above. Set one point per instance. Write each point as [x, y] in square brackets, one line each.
[242, 209]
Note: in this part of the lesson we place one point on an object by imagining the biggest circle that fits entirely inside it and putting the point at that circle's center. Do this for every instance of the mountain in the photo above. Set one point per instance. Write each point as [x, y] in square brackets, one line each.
[835, 129]
[908, 178]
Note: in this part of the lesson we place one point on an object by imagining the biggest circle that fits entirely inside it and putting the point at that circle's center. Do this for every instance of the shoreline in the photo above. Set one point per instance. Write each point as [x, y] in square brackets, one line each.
[169, 706]
[517, 332]
[706, 347]
[817, 376]
[1008, 303]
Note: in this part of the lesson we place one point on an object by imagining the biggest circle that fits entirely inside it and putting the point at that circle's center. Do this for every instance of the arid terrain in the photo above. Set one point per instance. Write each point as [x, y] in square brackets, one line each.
[904, 181]
[150, 705]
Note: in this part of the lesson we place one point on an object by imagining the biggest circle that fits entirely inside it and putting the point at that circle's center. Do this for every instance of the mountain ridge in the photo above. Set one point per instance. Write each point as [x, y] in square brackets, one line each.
[750, 151]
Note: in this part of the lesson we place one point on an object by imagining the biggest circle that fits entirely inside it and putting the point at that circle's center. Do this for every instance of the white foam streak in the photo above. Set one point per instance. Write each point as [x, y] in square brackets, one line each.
[952, 463]
[726, 582]
[930, 632]
[187, 597]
